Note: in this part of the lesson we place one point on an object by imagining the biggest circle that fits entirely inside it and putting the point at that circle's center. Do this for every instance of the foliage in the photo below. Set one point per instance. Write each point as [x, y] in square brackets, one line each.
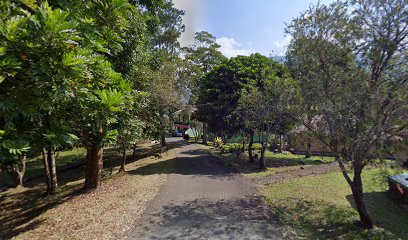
[224, 85]
[231, 148]
[234, 147]
[350, 60]
[218, 142]
[203, 55]
[74, 70]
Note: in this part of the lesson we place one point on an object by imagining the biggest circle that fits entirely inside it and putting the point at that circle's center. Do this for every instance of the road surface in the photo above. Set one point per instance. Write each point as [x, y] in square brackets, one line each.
[203, 199]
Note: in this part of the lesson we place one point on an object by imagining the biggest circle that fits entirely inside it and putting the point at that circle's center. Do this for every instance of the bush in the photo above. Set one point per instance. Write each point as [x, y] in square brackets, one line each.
[234, 147]
[230, 148]
[256, 146]
[186, 137]
[218, 142]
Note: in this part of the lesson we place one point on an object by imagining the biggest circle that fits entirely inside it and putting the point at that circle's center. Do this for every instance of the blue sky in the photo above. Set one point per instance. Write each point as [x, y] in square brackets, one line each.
[243, 26]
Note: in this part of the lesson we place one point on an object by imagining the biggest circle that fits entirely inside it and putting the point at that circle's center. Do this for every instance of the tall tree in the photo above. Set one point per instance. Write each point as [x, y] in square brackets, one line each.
[116, 32]
[269, 110]
[203, 55]
[224, 85]
[350, 59]
[39, 40]
[168, 88]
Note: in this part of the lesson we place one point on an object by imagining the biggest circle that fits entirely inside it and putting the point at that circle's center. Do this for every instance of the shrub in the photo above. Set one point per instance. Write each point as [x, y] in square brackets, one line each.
[256, 146]
[218, 142]
[230, 148]
[186, 137]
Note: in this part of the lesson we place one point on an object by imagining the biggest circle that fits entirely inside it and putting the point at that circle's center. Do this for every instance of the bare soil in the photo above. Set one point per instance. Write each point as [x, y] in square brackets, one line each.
[281, 177]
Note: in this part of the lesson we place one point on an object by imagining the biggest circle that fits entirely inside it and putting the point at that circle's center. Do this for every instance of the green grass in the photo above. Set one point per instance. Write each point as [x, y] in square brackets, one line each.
[276, 162]
[35, 166]
[321, 207]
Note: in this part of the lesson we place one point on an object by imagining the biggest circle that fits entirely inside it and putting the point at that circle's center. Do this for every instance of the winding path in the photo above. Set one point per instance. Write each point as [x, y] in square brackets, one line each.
[301, 172]
[203, 199]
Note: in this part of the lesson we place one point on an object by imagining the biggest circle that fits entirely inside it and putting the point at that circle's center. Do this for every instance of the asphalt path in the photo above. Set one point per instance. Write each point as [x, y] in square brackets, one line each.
[204, 199]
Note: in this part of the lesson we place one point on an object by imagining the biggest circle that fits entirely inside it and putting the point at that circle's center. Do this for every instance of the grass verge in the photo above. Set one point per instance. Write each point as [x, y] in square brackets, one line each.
[275, 162]
[106, 213]
[321, 207]
[35, 166]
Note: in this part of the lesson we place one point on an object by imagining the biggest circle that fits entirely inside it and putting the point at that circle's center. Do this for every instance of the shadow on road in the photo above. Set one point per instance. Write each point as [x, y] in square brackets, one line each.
[189, 162]
[245, 218]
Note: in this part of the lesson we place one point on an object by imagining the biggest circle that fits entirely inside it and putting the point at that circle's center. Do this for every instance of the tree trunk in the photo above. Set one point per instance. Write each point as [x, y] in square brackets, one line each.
[280, 143]
[162, 128]
[262, 164]
[122, 165]
[308, 150]
[205, 138]
[50, 170]
[358, 195]
[243, 142]
[251, 141]
[47, 169]
[94, 166]
[163, 140]
[19, 174]
[134, 149]
[53, 170]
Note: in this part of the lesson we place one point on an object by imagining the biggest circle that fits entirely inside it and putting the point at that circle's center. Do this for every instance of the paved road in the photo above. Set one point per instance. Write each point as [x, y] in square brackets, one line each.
[202, 199]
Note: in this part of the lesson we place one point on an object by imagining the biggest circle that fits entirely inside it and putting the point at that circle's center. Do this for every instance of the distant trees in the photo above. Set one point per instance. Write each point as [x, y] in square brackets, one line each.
[350, 59]
[245, 93]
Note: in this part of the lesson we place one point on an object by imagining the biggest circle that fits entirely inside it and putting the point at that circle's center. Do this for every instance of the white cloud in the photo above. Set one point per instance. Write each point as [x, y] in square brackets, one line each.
[231, 48]
[191, 14]
[281, 45]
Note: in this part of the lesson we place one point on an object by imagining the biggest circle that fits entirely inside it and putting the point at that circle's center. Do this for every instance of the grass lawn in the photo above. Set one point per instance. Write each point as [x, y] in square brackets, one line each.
[275, 162]
[35, 166]
[320, 207]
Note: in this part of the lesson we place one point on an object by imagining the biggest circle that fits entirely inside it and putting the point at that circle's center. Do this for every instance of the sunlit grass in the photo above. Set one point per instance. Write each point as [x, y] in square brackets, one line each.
[321, 207]
[35, 166]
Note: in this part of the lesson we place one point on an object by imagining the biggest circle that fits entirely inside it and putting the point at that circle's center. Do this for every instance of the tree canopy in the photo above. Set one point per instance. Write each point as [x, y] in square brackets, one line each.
[350, 61]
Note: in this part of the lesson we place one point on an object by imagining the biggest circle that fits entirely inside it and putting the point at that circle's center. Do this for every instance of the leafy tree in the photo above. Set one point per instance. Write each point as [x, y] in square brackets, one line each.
[167, 89]
[39, 41]
[114, 30]
[225, 84]
[130, 126]
[350, 60]
[60, 73]
[270, 110]
[165, 25]
[203, 55]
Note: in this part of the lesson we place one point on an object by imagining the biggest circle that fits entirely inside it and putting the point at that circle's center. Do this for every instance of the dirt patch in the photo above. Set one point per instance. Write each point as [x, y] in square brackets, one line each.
[281, 177]
[105, 213]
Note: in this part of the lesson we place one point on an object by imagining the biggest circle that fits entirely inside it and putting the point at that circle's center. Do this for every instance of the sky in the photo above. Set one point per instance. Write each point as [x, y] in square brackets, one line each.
[243, 27]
